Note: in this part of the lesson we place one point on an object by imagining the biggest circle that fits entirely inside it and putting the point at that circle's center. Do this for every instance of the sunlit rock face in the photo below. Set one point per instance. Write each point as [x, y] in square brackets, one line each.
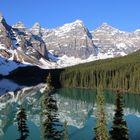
[63, 46]
[115, 42]
[72, 39]
[18, 44]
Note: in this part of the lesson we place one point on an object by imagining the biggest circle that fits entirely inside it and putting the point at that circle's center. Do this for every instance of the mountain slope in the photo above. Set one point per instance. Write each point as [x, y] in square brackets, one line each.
[118, 73]
[72, 39]
[7, 66]
[115, 42]
[63, 46]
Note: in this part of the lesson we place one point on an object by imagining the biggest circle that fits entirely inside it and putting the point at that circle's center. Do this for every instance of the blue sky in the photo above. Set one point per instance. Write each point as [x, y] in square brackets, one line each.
[122, 14]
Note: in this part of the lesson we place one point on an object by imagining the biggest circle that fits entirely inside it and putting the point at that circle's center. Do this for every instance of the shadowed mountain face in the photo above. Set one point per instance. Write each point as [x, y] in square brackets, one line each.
[67, 45]
[18, 43]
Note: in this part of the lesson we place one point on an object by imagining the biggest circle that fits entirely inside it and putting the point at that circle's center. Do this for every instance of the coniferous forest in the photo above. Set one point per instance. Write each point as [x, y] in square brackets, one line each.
[121, 73]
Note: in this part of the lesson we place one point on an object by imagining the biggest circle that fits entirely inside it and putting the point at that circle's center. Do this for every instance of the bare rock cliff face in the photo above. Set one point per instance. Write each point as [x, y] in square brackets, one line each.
[39, 46]
[19, 44]
[115, 42]
[72, 39]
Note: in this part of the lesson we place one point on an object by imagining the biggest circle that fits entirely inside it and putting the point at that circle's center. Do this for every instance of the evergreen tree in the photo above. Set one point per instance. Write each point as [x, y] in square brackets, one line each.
[101, 130]
[65, 133]
[119, 129]
[50, 116]
[22, 126]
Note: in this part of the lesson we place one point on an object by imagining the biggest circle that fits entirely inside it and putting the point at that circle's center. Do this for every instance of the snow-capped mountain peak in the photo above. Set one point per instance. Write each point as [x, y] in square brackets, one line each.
[71, 26]
[105, 27]
[36, 26]
[75, 23]
[19, 25]
[69, 44]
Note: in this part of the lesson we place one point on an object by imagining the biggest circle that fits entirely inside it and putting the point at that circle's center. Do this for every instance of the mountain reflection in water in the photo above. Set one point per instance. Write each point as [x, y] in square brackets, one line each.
[76, 106]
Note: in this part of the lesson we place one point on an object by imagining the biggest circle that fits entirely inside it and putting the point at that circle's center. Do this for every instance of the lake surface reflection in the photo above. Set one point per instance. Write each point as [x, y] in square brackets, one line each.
[76, 106]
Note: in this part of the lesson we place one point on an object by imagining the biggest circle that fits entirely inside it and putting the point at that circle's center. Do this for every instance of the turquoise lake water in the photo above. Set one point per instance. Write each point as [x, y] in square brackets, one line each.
[76, 106]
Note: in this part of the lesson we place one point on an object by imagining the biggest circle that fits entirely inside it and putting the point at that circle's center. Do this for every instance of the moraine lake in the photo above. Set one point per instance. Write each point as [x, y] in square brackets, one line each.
[76, 106]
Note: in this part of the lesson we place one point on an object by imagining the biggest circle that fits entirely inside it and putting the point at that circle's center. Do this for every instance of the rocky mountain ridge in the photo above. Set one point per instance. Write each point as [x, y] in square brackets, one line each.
[67, 45]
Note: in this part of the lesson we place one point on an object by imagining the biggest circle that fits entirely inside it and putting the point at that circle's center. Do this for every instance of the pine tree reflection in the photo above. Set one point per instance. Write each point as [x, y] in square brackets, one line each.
[21, 122]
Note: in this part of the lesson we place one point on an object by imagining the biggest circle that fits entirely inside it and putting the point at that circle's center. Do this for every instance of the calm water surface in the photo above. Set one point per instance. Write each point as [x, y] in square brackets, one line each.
[77, 106]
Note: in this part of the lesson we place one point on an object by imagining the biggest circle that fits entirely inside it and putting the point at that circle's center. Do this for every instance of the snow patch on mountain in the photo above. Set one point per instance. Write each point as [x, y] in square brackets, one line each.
[66, 28]
[47, 64]
[19, 25]
[64, 46]
[121, 45]
[7, 66]
[52, 57]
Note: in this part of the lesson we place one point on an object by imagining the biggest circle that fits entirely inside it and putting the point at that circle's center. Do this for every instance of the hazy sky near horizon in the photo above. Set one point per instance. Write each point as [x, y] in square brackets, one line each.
[122, 14]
